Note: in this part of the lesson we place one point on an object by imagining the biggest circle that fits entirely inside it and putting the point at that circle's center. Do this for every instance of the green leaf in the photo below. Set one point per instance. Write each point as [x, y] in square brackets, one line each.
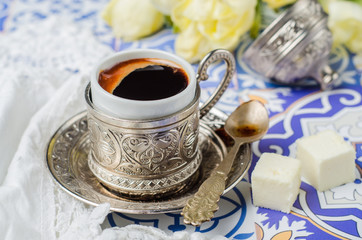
[170, 23]
[356, 1]
[254, 30]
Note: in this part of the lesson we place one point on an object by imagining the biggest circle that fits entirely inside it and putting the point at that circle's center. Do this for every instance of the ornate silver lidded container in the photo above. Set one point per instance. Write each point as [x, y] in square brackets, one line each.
[294, 46]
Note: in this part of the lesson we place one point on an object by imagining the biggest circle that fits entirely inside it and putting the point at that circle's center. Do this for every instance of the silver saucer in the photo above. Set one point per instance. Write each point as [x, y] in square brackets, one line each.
[67, 156]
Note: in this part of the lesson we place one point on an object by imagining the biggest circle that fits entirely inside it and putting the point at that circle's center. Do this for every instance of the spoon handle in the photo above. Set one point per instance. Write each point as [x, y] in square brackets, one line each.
[201, 207]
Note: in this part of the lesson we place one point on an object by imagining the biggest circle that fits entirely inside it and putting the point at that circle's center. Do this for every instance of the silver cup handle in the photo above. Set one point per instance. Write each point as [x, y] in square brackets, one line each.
[211, 57]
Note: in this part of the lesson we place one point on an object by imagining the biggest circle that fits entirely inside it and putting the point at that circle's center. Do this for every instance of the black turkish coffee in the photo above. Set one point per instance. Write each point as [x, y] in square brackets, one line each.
[144, 79]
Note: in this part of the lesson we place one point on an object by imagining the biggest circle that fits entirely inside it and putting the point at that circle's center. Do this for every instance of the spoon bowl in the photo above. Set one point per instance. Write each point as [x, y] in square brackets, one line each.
[248, 123]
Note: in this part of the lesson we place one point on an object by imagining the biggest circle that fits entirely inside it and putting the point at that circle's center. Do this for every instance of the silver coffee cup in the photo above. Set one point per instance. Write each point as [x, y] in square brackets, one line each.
[146, 158]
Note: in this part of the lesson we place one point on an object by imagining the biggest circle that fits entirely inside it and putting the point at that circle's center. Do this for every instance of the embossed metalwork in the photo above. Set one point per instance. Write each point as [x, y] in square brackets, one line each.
[67, 159]
[213, 56]
[147, 158]
[202, 206]
[294, 46]
[151, 157]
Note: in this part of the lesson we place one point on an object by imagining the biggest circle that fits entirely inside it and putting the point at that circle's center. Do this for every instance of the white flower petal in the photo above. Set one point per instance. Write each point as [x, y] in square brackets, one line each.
[132, 20]
[345, 23]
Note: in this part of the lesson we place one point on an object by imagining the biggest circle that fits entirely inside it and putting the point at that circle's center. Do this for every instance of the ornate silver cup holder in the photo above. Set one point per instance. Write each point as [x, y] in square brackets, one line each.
[67, 160]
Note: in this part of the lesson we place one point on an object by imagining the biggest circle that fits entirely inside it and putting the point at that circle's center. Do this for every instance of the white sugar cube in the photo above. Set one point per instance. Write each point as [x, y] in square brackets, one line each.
[327, 160]
[275, 182]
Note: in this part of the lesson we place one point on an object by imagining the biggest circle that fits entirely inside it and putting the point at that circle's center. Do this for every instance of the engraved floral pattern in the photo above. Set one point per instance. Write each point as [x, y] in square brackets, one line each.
[295, 27]
[189, 138]
[285, 50]
[68, 162]
[148, 152]
[67, 172]
[132, 160]
[315, 51]
[102, 145]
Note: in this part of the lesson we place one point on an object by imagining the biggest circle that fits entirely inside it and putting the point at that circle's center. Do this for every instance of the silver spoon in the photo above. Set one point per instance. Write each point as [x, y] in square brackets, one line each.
[248, 123]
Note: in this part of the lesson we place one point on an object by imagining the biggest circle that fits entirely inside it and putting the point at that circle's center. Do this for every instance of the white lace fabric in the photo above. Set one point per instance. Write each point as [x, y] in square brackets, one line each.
[43, 76]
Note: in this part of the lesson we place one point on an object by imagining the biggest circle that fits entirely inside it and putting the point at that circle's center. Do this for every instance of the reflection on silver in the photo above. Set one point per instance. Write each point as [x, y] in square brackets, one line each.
[67, 157]
[144, 158]
[151, 158]
[294, 46]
